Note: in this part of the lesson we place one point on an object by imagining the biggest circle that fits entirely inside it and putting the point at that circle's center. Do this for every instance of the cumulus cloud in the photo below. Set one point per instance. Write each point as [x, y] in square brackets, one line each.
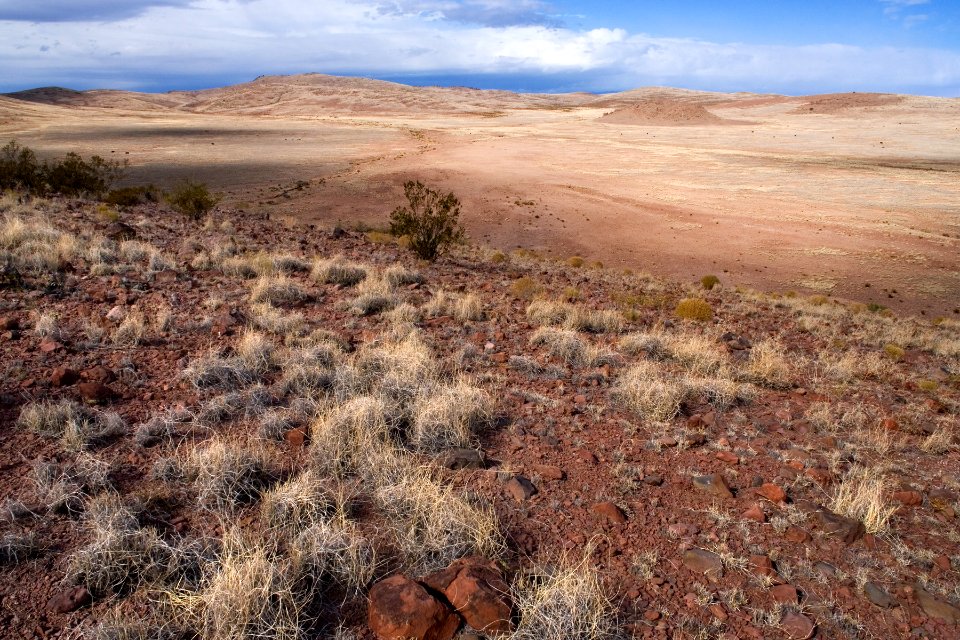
[79, 10]
[212, 42]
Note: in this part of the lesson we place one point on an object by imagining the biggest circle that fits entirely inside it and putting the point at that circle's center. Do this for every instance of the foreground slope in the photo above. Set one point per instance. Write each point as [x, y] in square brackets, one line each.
[240, 426]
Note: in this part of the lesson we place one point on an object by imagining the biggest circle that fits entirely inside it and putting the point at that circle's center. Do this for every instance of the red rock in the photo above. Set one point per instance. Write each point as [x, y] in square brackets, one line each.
[714, 485]
[610, 512]
[908, 498]
[822, 477]
[49, 345]
[763, 566]
[785, 593]
[718, 611]
[797, 626]
[772, 492]
[705, 562]
[99, 374]
[890, 424]
[936, 608]
[755, 513]
[549, 472]
[520, 488]
[651, 615]
[943, 562]
[63, 377]
[295, 437]
[401, 608]
[586, 456]
[796, 535]
[95, 392]
[846, 529]
[70, 600]
[728, 456]
[480, 595]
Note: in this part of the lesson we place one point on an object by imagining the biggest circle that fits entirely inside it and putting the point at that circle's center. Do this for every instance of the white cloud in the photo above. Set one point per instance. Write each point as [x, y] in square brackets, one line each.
[214, 40]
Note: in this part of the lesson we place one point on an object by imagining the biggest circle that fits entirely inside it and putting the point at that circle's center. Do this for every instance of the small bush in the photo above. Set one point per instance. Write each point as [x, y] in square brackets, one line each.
[71, 176]
[525, 288]
[894, 352]
[338, 270]
[694, 309]
[575, 261]
[498, 257]
[429, 220]
[192, 199]
[709, 282]
[131, 196]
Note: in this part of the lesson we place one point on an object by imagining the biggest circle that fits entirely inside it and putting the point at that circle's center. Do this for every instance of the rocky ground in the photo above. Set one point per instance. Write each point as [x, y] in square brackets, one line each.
[217, 429]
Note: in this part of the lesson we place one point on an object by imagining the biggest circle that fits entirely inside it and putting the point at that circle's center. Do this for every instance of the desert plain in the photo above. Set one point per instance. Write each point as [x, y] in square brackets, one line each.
[854, 196]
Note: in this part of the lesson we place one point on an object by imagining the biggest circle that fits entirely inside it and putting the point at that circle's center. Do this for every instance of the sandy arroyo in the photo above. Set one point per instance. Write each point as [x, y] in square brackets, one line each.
[855, 196]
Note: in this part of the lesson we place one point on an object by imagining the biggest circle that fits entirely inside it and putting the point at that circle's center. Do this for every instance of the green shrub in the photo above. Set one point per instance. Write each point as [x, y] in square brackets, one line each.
[192, 199]
[19, 168]
[429, 220]
[694, 309]
[131, 196]
[71, 176]
[709, 282]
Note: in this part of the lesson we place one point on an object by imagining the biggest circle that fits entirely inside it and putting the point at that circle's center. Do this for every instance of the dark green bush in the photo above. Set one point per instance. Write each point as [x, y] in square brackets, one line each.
[71, 176]
[131, 196]
[192, 199]
[19, 168]
[429, 220]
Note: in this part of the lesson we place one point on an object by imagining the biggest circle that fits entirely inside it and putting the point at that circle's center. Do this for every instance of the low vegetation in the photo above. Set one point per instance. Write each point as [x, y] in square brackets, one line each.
[430, 220]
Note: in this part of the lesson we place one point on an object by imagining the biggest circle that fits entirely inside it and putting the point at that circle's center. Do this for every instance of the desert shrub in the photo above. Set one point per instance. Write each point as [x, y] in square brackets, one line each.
[227, 475]
[861, 496]
[77, 426]
[338, 270]
[768, 365]
[278, 289]
[894, 351]
[646, 391]
[709, 282]
[498, 257]
[121, 554]
[74, 176]
[63, 486]
[449, 416]
[694, 309]
[131, 196]
[525, 288]
[430, 220]
[575, 261]
[19, 169]
[192, 199]
[563, 602]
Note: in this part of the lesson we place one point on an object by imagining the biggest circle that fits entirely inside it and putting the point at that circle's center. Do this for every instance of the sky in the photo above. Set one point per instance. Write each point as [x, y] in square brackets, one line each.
[771, 46]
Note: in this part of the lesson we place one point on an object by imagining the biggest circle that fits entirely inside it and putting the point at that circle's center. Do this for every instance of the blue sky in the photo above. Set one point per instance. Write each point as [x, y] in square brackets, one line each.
[779, 46]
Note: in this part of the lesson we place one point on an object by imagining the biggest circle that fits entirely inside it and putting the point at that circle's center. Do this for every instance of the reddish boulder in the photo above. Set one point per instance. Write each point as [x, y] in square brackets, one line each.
[99, 374]
[797, 626]
[401, 609]
[755, 513]
[714, 485]
[70, 600]
[908, 498]
[95, 392]
[63, 377]
[610, 512]
[772, 492]
[479, 594]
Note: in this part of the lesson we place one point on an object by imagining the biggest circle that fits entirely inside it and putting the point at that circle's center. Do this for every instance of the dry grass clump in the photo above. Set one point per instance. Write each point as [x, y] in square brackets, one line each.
[397, 275]
[347, 436]
[35, 247]
[648, 344]
[121, 555]
[404, 314]
[278, 289]
[339, 270]
[768, 366]
[549, 313]
[851, 365]
[696, 353]
[309, 370]
[249, 593]
[449, 415]
[462, 307]
[227, 475]
[860, 495]
[398, 368]
[46, 324]
[131, 331]
[432, 524]
[569, 346]
[334, 552]
[77, 426]
[255, 357]
[160, 428]
[943, 439]
[277, 321]
[694, 309]
[525, 288]
[136, 250]
[63, 486]
[563, 602]
[220, 409]
[646, 391]
[16, 548]
[374, 295]
[298, 504]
